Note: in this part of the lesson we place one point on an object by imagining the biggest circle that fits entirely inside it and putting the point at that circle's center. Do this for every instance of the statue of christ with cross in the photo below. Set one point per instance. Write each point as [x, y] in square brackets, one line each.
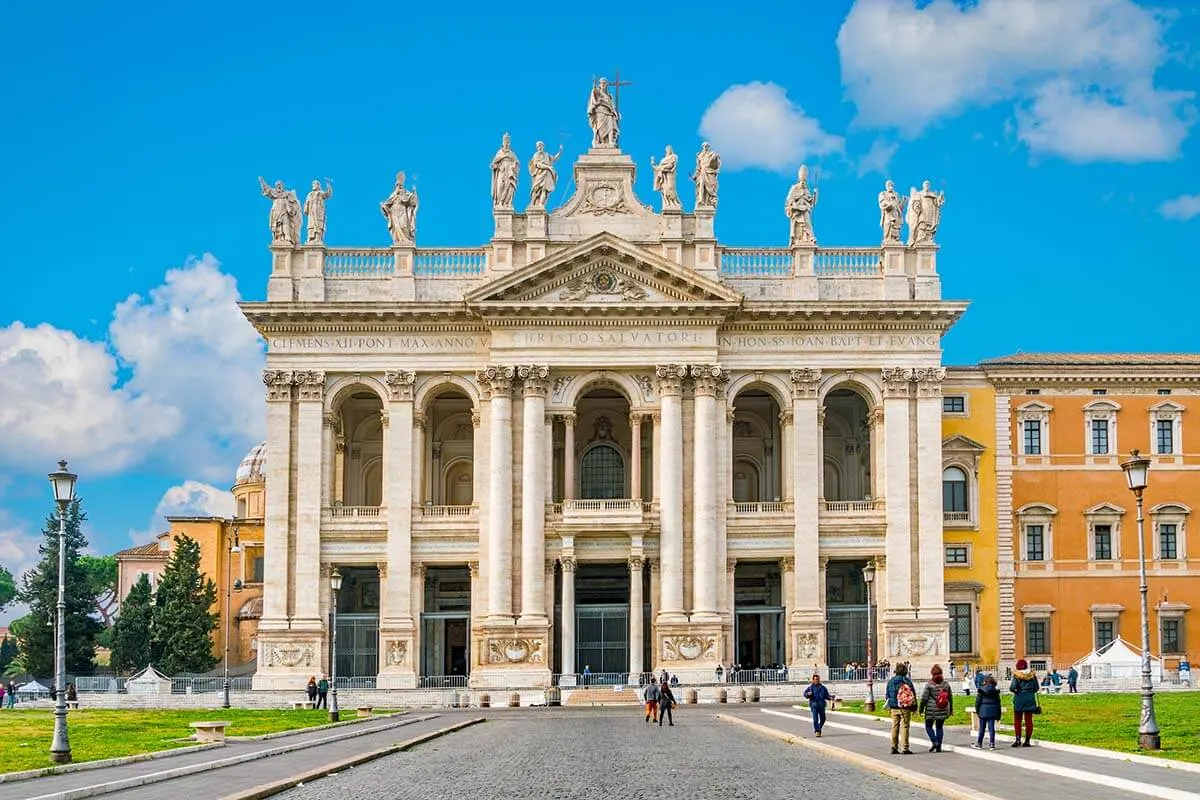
[603, 113]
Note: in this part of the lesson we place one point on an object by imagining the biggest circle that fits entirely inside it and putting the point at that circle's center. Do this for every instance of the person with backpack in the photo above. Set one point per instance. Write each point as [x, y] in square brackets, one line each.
[311, 690]
[936, 704]
[323, 693]
[651, 698]
[666, 702]
[817, 695]
[987, 709]
[1024, 687]
[901, 702]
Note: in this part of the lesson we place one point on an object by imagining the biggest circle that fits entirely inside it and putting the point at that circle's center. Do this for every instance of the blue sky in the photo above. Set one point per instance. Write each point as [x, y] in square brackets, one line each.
[1063, 134]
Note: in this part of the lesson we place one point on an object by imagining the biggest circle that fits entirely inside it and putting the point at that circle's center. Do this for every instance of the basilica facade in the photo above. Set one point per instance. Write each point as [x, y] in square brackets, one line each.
[603, 439]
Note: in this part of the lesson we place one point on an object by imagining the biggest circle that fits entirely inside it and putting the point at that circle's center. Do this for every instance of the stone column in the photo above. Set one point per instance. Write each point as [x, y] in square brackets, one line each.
[310, 386]
[500, 500]
[277, 577]
[930, 570]
[786, 459]
[420, 422]
[398, 459]
[549, 456]
[635, 453]
[416, 588]
[533, 495]
[656, 455]
[670, 391]
[730, 583]
[636, 603]
[725, 496]
[807, 614]
[569, 456]
[787, 569]
[568, 614]
[437, 494]
[328, 459]
[897, 594]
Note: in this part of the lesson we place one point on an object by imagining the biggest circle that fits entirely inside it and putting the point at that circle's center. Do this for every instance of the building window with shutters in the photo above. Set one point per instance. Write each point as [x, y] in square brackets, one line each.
[961, 623]
[1037, 637]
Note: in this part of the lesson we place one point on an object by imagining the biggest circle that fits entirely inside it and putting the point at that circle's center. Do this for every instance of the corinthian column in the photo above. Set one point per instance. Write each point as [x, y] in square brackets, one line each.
[533, 495]
[500, 500]
[636, 603]
[929, 491]
[398, 489]
[310, 389]
[569, 456]
[707, 379]
[898, 588]
[670, 391]
[568, 614]
[806, 469]
[275, 525]
[635, 455]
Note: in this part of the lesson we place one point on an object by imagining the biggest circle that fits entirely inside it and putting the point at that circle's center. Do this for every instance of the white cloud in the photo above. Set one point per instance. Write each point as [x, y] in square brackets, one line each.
[18, 554]
[193, 390]
[1181, 208]
[189, 499]
[877, 158]
[906, 67]
[756, 125]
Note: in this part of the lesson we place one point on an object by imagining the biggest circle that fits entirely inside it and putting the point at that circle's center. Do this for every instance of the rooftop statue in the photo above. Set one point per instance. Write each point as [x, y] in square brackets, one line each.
[708, 165]
[603, 116]
[799, 207]
[285, 213]
[314, 207]
[891, 212]
[505, 168]
[665, 172]
[545, 177]
[400, 211]
[924, 214]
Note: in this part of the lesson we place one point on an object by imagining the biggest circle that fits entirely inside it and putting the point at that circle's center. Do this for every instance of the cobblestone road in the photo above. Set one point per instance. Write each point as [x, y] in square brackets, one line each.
[604, 753]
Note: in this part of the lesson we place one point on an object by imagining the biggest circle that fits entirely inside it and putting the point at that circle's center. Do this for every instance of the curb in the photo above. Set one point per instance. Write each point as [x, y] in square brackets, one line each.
[41, 772]
[938, 785]
[271, 789]
[326, 726]
[181, 772]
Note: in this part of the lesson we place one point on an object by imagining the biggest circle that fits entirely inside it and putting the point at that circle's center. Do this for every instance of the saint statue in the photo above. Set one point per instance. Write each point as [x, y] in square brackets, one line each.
[400, 211]
[505, 167]
[924, 214]
[285, 213]
[664, 178]
[541, 169]
[799, 207]
[891, 211]
[708, 164]
[314, 207]
[603, 116]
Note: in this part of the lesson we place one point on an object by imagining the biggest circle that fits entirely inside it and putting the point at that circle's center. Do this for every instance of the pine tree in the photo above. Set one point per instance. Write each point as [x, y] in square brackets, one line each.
[183, 619]
[8, 651]
[39, 589]
[132, 630]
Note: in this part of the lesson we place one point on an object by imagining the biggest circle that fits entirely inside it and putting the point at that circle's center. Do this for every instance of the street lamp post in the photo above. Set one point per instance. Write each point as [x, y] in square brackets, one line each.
[335, 583]
[234, 549]
[1136, 469]
[64, 492]
[868, 579]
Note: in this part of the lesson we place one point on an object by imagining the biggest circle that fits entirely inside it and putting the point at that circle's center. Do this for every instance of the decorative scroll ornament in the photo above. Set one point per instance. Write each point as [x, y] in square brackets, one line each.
[807, 645]
[497, 378]
[929, 381]
[397, 652]
[311, 384]
[289, 654]
[915, 644]
[515, 651]
[560, 385]
[689, 648]
[400, 383]
[805, 382]
[603, 282]
[278, 383]
[708, 378]
[603, 198]
[896, 381]
[534, 376]
[670, 378]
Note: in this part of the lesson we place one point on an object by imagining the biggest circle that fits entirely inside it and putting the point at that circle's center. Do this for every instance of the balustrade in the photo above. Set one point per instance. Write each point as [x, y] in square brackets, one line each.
[756, 261]
[602, 505]
[351, 512]
[767, 507]
[849, 262]
[447, 511]
[450, 261]
[956, 516]
[375, 262]
[851, 506]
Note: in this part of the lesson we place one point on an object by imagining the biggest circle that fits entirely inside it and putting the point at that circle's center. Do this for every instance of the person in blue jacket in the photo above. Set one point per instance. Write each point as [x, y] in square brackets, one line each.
[817, 695]
[987, 708]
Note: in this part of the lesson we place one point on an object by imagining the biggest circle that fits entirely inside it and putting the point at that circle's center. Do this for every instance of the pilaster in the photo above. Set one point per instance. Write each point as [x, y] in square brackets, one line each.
[931, 569]
[500, 382]
[397, 628]
[807, 614]
[670, 391]
[310, 392]
[533, 495]
[898, 600]
[707, 379]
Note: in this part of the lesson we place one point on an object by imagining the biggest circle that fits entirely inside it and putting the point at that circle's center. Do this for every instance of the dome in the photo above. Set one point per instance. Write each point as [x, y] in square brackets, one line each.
[253, 466]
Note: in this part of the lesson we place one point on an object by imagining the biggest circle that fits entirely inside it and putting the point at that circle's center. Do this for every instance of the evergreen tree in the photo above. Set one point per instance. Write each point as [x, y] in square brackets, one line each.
[8, 587]
[8, 651]
[132, 630]
[39, 589]
[183, 619]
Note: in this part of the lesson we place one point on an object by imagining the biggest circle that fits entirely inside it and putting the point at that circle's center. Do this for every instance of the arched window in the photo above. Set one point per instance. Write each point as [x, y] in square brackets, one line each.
[601, 474]
[954, 491]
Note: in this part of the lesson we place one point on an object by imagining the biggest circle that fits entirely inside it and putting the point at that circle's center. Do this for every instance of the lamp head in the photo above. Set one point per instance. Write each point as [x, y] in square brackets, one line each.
[237, 585]
[1136, 471]
[235, 547]
[63, 483]
[335, 580]
[869, 572]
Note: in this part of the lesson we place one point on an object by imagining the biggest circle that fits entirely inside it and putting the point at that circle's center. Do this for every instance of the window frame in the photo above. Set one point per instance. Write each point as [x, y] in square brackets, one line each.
[1104, 514]
[1180, 645]
[1036, 514]
[1107, 552]
[1170, 412]
[1101, 412]
[1031, 412]
[1097, 640]
[969, 618]
[1044, 649]
[955, 412]
[964, 546]
[1176, 514]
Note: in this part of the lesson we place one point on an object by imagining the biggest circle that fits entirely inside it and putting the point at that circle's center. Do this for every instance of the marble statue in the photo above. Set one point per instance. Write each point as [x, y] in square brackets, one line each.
[891, 212]
[799, 207]
[603, 116]
[285, 213]
[314, 208]
[505, 167]
[708, 165]
[400, 211]
[924, 214]
[541, 169]
[664, 178]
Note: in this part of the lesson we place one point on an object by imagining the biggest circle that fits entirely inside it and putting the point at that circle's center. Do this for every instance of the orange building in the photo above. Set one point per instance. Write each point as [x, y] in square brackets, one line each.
[1067, 521]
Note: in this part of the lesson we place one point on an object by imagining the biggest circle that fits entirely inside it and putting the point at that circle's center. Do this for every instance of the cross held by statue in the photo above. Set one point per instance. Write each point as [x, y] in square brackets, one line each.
[616, 83]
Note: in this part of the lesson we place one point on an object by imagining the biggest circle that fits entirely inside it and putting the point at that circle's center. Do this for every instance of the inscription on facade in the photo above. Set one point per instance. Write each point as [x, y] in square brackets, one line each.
[615, 338]
[829, 341]
[365, 344]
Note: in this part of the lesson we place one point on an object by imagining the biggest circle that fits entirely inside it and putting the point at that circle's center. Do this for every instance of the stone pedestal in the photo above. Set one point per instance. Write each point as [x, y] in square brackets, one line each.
[397, 660]
[287, 658]
[921, 642]
[515, 656]
[688, 650]
[806, 630]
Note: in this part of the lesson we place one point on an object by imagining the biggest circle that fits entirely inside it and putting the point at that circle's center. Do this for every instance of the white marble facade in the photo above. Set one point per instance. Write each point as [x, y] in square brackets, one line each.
[602, 407]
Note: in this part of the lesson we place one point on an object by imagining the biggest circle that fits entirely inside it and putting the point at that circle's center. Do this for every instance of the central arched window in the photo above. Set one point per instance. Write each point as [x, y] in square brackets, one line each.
[602, 474]
[954, 491]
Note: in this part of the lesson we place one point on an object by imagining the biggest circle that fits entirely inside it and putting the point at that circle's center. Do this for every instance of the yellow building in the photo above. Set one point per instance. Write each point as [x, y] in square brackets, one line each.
[969, 516]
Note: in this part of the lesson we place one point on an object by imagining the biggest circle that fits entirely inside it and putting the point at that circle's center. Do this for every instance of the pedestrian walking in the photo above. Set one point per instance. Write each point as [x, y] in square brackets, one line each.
[901, 702]
[650, 698]
[936, 704]
[987, 710]
[587, 673]
[1185, 671]
[818, 695]
[666, 703]
[1024, 688]
[323, 693]
[311, 690]
[12, 694]
[1073, 681]
[2, 693]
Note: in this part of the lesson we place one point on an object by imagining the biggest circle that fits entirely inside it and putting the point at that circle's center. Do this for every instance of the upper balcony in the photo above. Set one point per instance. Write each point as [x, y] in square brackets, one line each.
[593, 513]
[353, 518]
[852, 514]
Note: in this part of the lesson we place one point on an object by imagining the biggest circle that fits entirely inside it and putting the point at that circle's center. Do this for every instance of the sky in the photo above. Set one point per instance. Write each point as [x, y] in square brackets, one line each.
[1062, 132]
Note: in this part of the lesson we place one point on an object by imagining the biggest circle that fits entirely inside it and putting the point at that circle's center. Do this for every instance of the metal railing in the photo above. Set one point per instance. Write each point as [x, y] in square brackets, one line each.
[772, 675]
[442, 682]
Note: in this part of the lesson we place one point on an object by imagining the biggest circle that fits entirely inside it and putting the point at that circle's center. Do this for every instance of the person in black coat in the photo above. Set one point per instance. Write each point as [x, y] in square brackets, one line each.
[1024, 688]
[666, 702]
[987, 708]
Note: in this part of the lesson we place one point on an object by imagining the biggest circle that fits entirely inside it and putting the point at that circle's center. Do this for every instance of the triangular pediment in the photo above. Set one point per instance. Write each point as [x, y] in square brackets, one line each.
[604, 273]
[959, 443]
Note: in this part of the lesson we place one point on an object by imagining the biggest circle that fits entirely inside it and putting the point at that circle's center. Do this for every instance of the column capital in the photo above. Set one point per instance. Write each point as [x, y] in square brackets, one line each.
[473, 566]
[310, 384]
[476, 418]
[670, 378]
[384, 419]
[896, 381]
[929, 381]
[569, 419]
[707, 379]
[875, 418]
[729, 416]
[535, 379]
[420, 419]
[418, 569]
[278, 383]
[383, 569]
[787, 564]
[636, 563]
[635, 419]
[329, 420]
[656, 417]
[730, 564]
[497, 378]
[400, 384]
[568, 563]
[549, 419]
[786, 418]
[805, 382]
[655, 566]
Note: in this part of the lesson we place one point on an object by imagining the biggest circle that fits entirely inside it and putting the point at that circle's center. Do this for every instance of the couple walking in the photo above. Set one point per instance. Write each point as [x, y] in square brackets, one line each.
[660, 700]
[936, 703]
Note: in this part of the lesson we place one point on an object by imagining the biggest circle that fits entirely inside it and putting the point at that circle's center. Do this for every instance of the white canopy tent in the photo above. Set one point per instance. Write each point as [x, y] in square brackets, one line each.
[1117, 659]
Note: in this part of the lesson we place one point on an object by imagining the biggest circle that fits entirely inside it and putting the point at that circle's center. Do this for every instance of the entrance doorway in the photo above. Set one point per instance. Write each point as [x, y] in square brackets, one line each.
[602, 620]
[845, 614]
[358, 624]
[759, 615]
[446, 627]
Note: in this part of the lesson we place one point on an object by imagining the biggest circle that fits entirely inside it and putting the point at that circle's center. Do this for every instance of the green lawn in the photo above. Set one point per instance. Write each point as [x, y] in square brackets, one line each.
[107, 733]
[1102, 720]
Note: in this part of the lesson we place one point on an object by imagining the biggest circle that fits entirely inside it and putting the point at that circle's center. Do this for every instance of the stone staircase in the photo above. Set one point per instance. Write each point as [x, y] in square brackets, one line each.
[601, 696]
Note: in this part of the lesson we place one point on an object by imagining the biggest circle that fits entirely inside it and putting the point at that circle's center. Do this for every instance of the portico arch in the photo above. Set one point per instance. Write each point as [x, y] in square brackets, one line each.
[429, 389]
[347, 385]
[603, 379]
[866, 387]
[772, 385]
[848, 442]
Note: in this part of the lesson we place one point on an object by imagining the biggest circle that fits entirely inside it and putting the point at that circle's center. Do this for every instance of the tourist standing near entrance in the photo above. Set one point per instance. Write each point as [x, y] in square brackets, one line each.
[587, 673]
[666, 702]
[987, 709]
[901, 702]
[311, 690]
[650, 696]
[818, 695]
[937, 704]
[1024, 687]
[323, 693]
